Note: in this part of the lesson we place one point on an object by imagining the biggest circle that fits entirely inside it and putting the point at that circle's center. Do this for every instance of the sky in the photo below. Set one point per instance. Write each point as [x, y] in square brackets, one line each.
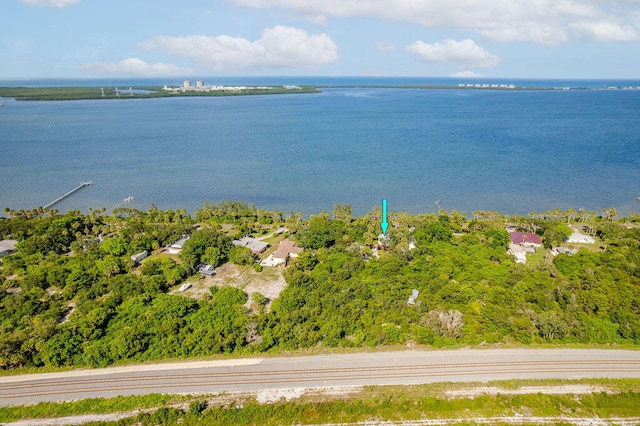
[574, 39]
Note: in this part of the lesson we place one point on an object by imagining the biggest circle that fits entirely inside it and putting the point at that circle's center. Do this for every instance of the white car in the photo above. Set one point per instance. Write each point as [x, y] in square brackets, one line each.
[185, 287]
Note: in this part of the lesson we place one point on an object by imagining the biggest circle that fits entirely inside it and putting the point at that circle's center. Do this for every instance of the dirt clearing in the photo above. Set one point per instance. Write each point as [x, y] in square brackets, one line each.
[269, 282]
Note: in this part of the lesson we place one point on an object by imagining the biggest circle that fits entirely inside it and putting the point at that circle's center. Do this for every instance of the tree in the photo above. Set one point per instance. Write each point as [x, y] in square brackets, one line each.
[306, 261]
[439, 230]
[213, 256]
[109, 265]
[610, 213]
[241, 256]
[321, 232]
[196, 247]
[342, 212]
[556, 234]
[498, 238]
[570, 214]
[293, 221]
[114, 246]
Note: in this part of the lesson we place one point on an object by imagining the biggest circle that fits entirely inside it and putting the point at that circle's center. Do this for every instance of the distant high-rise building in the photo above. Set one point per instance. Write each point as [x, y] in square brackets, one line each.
[187, 84]
[199, 83]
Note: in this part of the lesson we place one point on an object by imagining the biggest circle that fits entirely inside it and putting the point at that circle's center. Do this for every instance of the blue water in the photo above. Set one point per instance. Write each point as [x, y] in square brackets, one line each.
[465, 150]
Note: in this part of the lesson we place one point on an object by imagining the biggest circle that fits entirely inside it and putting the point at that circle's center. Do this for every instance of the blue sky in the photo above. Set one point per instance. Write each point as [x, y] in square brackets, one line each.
[201, 38]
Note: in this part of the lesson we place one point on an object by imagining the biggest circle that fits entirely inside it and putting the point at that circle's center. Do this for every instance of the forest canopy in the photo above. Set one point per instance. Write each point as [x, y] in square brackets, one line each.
[71, 294]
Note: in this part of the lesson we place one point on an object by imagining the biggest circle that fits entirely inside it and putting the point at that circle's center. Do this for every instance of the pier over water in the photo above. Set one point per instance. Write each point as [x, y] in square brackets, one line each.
[62, 197]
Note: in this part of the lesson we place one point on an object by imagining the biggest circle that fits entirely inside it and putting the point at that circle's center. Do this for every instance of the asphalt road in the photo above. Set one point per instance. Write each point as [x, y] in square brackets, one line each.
[321, 371]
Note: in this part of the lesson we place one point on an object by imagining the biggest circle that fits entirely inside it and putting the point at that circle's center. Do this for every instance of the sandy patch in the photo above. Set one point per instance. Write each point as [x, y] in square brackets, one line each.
[269, 283]
[268, 396]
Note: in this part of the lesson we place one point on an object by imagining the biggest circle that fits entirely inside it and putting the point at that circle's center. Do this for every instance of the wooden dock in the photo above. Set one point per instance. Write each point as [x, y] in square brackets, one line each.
[62, 197]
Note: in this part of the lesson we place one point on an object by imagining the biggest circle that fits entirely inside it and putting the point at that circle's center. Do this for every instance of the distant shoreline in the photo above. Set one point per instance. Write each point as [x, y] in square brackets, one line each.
[55, 93]
[137, 92]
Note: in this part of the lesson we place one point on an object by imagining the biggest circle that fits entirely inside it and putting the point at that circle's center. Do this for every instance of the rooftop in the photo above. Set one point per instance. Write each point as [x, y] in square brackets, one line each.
[525, 238]
[8, 245]
[286, 248]
[180, 242]
[254, 245]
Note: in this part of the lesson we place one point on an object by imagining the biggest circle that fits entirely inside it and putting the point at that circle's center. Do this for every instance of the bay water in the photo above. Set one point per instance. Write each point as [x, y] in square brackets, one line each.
[512, 151]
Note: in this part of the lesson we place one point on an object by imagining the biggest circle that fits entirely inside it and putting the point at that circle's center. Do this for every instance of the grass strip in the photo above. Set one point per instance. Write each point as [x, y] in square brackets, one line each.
[397, 409]
[46, 410]
[389, 403]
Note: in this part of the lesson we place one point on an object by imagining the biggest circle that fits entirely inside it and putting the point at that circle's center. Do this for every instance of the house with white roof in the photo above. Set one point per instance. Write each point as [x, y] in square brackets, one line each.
[176, 247]
[579, 238]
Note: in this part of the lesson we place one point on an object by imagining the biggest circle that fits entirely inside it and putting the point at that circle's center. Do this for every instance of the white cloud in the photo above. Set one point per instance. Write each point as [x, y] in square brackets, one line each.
[547, 22]
[538, 32]
[462, 53]
[279, 47]
[51, 3]
[604, 31]
[385, 47]
[465, 74]
[136, 67]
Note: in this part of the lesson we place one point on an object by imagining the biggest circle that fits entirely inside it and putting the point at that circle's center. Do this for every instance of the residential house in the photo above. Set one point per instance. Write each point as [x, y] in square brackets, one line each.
[523, 243]
[139, 257]
[519, 252]
[7, 247]
[580, 238]
[256, 246]
[525, 239]
[206, 269]
[563, 250]
[383, 242]
[414, 295]
[286, 250]
[176, 247]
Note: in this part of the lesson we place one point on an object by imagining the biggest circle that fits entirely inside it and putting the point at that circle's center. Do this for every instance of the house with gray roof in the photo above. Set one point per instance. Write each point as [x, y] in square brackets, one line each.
[176, 247]
[256, 246]
[139, 257]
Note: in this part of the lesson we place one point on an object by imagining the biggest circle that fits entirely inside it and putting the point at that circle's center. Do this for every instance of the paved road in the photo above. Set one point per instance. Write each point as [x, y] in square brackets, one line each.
[376, 368]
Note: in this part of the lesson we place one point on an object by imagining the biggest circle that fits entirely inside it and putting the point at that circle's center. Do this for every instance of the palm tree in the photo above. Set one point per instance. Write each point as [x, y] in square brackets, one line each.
[570, 214]
[610, 213]
[278, 216]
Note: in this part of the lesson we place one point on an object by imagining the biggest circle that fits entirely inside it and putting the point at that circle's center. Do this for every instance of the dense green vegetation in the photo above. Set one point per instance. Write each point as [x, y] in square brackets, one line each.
[77, 93]
[71, 295]
[618, 399]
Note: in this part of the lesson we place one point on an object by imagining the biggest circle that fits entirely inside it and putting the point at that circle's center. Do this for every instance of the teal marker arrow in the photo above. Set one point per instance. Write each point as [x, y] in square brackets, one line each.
[384, 224]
